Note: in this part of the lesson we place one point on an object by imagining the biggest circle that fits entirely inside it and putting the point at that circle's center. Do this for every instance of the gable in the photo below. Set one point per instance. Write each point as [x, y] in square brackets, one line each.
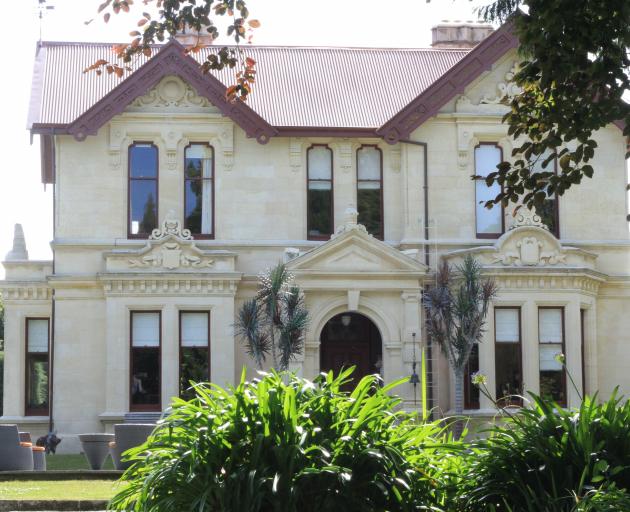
[449, 85]
[353, 251]
[170, 60]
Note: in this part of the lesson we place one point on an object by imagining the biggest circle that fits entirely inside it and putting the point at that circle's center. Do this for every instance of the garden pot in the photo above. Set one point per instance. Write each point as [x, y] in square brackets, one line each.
[96, 448]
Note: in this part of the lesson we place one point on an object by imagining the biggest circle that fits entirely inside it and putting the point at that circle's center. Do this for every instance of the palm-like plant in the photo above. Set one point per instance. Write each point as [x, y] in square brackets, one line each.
[456, 309]
[275, 320]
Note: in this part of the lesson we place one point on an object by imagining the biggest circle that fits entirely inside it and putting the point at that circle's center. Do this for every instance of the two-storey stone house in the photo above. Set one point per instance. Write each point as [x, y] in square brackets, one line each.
[169, 201]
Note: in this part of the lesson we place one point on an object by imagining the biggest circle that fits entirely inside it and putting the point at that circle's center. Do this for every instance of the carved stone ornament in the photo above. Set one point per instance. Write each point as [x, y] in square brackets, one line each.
[529, 253]
[172, 94]
[171, 256]
[170, 247]
[350, 224]
[505, 90]
[170, 227]
[526, 217]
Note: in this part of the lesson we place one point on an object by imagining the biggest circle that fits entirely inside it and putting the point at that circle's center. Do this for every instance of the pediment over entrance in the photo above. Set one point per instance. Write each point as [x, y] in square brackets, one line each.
[352, 250]
[169, 249]
[530, 244]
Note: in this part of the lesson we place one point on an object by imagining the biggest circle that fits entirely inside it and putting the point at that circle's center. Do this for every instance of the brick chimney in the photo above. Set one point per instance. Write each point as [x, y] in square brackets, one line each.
[190, 37]
[459, 34]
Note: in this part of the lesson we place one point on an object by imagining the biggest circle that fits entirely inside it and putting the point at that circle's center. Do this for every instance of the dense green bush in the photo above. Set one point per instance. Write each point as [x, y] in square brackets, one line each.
[282, 443]
[551, 459]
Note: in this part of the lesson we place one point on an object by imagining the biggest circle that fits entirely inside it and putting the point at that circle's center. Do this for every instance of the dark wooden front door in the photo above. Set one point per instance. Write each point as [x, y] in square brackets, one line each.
[351, 339]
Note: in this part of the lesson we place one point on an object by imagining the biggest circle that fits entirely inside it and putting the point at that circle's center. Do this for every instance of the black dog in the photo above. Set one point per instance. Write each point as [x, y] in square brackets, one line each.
[49, 442]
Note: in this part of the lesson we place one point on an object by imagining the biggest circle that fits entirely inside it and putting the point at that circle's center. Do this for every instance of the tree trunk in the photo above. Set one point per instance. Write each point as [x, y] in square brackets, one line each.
[458, 426]
[274, 354]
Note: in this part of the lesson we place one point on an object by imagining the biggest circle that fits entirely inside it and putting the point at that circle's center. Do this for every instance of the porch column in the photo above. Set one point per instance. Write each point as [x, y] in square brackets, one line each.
[117, 357]
[573, 352]
[170, 354]
[14, 357]
[530, 348]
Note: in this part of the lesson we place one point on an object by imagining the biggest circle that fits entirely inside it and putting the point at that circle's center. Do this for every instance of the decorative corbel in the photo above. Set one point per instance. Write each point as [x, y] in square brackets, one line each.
[345, 155]
[227, 143]
[464, 139]
[394, 158]
[295, 154]
[116, 137]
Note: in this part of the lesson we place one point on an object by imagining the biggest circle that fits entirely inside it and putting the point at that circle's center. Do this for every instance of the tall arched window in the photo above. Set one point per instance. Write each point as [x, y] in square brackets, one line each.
[370, 189]
[319, 160]
[489, 222]
[143, 189]
[548, 211]
[199, 190]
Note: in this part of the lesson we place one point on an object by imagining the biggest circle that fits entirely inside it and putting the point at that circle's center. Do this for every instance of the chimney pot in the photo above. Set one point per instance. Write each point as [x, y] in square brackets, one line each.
[459, 34]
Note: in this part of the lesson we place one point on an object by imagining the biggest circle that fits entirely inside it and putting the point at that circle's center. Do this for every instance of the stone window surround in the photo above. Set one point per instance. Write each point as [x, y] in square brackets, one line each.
[572, 305]
[344, 154]
[171, 140]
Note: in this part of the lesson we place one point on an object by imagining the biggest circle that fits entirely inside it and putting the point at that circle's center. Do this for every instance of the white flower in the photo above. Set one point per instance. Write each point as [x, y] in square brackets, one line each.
[478, 379]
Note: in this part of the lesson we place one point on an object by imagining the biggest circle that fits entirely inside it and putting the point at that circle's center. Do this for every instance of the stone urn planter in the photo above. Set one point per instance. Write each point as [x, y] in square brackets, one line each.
[96, 448]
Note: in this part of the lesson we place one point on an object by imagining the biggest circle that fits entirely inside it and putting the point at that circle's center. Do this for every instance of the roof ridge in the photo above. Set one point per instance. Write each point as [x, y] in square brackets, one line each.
[49, 44]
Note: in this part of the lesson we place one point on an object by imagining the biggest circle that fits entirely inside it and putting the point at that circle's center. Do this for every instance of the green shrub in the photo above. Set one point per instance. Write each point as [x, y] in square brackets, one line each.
[550, 459]
[283, 443]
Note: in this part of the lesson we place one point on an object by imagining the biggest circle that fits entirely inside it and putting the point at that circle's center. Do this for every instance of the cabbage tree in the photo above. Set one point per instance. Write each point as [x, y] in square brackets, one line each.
[456, 309]
[275, 320]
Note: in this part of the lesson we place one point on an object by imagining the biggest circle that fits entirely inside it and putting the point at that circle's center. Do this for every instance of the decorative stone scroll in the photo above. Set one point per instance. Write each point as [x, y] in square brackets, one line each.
[170, 227]
[172, 94]
[171, 256]
[526, 217]
[169, 248]
[505, 90]
[350, 223]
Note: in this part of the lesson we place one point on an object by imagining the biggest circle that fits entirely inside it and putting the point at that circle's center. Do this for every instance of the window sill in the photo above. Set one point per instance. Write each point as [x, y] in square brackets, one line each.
[34, 420]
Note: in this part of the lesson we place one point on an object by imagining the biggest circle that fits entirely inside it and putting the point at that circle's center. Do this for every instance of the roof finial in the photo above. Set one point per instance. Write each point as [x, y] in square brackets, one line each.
[19, 251]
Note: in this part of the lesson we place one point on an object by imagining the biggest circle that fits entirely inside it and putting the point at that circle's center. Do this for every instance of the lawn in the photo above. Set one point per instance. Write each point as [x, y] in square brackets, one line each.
[59, 490]
[72, 462]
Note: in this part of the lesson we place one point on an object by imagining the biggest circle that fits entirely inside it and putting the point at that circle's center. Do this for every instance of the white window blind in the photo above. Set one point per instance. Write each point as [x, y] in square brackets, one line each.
[550, 325]
[38, 335]
[145, 329]
[319, 163]
[194, 329]
[507, 325]
[369, 163]
[548, 353]
[487, 157]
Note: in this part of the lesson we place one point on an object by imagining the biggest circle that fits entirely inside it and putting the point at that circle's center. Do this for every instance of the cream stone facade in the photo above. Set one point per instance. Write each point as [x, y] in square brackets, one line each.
[100, 274]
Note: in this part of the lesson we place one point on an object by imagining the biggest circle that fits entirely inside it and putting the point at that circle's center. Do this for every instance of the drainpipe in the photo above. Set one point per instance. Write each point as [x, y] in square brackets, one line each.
[51, 373]
[425, 189]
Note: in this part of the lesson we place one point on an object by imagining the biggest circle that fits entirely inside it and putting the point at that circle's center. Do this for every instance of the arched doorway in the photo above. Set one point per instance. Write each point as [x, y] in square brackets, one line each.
[351, 339]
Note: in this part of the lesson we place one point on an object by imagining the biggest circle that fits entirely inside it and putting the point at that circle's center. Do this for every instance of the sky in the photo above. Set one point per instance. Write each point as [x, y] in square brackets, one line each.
[356, 23]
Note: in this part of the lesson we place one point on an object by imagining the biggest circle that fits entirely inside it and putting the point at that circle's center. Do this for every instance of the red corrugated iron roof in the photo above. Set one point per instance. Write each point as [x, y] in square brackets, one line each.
[296, 87]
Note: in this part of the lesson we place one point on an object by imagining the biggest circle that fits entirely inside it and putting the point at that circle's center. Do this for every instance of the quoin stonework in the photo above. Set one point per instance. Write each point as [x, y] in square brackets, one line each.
[170, 201]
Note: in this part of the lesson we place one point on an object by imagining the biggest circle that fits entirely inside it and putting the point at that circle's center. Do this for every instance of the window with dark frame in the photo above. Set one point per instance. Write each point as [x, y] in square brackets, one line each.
[199, 190]
[489, 222]
[319, 160]
[145, 361]
[508, 356]
[194, 350]
[370, 189]
[471, 392]
[551, 344]
[549, 211]
[37, 346]
[143, 189]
